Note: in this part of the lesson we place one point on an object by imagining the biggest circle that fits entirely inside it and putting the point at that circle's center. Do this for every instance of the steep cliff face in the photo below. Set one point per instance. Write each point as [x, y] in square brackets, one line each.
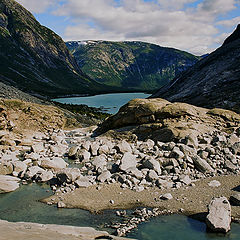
[130, 65]
[212, 82]
[34, 58]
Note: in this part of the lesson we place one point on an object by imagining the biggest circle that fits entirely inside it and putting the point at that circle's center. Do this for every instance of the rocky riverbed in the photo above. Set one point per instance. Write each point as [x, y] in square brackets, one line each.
[116, 171]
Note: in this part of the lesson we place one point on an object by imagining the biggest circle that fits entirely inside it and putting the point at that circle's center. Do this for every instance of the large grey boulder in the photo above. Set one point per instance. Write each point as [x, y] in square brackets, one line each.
[161, 183]
[153, 164]
[99, 162]
[123, 147]
[8, 183]
[32, 171]
[152, 176]
[128, 161]
[38, 147]
[219, 216]
[44, 176]
[83, 182]
[84, 155]
[68, 175]
[135, 173]
[55, 163]
[104, 176]
[19, 167]
[202, 165]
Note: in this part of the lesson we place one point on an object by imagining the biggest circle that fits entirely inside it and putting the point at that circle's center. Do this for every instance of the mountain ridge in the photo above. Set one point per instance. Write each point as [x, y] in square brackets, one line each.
[130, 64]
[212, 82]
[35, 59]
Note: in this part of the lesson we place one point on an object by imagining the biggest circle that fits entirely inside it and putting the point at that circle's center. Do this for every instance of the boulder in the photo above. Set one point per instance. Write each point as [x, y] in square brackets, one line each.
[32, 171]
[99, 162]
[6, 168]
[83, 182]
[236, 147]
[176, 153]
[68, 175]
[123, 147]
[151, 163]
[104, 176]
[104, 149]
[55, 163]
[83, 155]
[202, 165]
[94, 148]
[185, 179]
[219, 216]
[214, 183]
[38, 147]
[19, 167]
[161, 183]
[230, 166]
[152, 176]
[72, 153]
[44, 176]
[128, 161]
[166, 196]
[8, 183]
[133, 171]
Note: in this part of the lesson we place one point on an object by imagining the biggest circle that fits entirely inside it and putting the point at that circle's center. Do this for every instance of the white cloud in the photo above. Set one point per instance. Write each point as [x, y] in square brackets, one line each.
[173, 4]
[215, 7]
[36, 6]
[169, 23]
[230, 23]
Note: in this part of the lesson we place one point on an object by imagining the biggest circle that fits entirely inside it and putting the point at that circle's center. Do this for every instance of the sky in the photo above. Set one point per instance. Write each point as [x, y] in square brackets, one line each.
[196, 26]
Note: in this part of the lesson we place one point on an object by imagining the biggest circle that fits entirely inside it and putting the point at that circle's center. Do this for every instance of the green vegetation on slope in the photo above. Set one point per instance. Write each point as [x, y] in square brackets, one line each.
[130, 65]
[35, 59]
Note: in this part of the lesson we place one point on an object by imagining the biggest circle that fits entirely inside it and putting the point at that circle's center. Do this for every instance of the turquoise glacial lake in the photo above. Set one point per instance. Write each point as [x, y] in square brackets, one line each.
[23, 205]
[109, 102]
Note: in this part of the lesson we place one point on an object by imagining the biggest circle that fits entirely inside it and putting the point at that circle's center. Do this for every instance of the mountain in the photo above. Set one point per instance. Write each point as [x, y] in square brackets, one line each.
[130, 65]
[212, 82]
[35, 59]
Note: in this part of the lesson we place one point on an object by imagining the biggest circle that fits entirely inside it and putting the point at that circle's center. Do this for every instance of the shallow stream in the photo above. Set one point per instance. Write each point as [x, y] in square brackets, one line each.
[23, 206]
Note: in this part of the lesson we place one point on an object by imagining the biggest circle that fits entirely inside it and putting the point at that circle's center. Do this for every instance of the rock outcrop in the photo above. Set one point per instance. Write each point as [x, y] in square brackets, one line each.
[212, 82]
[32, 231]
[219, 216]
[161, 120]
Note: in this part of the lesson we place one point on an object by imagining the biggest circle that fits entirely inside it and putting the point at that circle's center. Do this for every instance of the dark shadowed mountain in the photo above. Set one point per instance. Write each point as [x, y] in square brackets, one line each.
[130, 65]
[35, 59]
[212, 82]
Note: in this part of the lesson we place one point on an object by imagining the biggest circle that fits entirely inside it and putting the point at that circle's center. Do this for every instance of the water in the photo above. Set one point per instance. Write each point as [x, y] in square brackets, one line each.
[110, 102]
[178, 227]
[23, 206]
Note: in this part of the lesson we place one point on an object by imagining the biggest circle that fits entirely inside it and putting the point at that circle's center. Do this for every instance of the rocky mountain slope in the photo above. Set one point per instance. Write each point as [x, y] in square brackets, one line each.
[35, 59]
[212, 82]
[130, 65]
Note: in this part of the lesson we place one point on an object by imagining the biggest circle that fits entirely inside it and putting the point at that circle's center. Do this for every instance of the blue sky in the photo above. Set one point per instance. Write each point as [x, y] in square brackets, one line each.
[197, 26]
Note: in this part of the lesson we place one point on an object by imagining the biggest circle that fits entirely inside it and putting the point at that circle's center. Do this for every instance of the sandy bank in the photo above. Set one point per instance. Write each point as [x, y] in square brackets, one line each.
[192, 199]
